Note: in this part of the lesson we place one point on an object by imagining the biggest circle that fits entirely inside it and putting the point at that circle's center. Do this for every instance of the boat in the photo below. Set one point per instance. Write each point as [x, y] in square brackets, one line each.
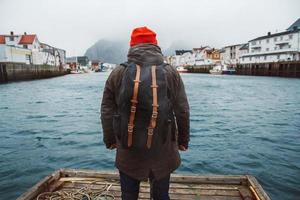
[222, 69]
[76, 72]
[217, 70]
[228, 70]
[104, 185]
[181, 69]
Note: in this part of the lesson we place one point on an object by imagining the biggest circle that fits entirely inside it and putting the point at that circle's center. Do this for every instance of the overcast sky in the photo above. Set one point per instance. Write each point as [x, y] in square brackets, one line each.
[75, 25]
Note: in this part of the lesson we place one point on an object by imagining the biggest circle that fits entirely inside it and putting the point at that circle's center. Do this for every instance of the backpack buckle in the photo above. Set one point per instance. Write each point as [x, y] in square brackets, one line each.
[154, 115]
[133, 109]
[150, 131]
[130, 129]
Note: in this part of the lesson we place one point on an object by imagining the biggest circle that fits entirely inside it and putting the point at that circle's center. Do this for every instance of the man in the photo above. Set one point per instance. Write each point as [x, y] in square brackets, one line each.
[145, 115]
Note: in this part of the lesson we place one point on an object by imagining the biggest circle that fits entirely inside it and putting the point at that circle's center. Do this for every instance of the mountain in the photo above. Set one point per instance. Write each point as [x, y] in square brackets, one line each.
[108, 51]
[116, 51]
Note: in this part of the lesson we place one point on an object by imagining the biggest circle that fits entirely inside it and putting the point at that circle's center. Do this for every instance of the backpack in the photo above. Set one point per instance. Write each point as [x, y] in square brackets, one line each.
[145, 113]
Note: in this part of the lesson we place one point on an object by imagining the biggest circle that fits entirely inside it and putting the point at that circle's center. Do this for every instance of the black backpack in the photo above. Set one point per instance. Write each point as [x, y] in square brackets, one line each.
[140, 124]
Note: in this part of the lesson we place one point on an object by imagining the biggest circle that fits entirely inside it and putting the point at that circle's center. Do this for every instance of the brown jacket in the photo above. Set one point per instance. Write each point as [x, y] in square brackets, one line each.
[138, 164]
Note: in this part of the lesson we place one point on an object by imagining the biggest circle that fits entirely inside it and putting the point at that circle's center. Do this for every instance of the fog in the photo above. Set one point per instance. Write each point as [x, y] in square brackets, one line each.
[75, 25]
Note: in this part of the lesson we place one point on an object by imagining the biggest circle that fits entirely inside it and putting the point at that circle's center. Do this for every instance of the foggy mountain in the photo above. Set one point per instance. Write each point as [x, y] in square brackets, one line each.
[108, 51]
[116, 51]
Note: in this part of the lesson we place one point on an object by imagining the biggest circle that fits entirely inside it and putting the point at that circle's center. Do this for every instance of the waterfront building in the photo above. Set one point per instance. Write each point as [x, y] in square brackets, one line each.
[195, 57]
[76, 62]
[72, 63]
[96, 64]
[27, 49]
[230, 54]
[274, 47]
[207, 52]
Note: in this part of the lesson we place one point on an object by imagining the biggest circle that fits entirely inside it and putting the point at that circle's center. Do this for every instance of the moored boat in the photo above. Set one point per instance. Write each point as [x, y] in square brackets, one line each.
[181, 69]
[217, 70]
[222, 69]
[89, 184]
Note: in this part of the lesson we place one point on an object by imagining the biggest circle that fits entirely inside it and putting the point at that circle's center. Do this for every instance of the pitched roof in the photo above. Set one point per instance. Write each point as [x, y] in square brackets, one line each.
[275, 34]
[233, 45]
[245, 46]
[27, 39]
[2, 39]
[295, 24]
[200, 48]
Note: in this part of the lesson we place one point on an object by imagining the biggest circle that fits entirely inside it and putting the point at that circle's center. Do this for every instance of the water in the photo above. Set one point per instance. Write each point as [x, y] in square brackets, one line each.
[239, 125]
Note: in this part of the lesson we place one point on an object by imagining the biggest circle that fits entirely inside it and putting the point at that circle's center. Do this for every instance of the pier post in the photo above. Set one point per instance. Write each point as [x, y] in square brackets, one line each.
[3, 73]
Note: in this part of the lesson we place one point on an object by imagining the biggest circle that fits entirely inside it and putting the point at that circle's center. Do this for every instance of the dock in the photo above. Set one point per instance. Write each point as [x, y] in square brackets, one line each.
[282, 69]
[183, 187]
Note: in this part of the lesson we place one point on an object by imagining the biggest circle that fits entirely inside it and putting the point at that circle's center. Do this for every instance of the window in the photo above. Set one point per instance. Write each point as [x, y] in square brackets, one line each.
[268, 40]
[254, 43]
[275, 39]
[259, 42]
[267, 49]
[11, 38]
[278, 57]
[250, 58]
[25, 46]
[265, 58]
[290, 46]
[281, 37]
[291, 36]
[28, 59]
[275, 48]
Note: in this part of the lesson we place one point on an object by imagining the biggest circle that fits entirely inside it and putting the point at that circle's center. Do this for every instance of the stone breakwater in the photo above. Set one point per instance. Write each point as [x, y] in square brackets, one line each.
[19, 72]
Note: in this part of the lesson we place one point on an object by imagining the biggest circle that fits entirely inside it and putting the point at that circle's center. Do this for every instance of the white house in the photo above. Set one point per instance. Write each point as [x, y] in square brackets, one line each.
[15, 54]
[197, 57]
[230, 55]
[28, 49]
[282, 46]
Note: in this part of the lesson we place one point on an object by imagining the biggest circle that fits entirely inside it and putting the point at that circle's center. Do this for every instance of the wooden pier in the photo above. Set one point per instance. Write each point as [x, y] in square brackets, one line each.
[283, 69]
[183, 187]
[199, 69]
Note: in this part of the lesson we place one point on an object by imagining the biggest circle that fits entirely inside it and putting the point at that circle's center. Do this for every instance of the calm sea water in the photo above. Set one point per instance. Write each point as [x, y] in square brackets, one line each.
[239, 125]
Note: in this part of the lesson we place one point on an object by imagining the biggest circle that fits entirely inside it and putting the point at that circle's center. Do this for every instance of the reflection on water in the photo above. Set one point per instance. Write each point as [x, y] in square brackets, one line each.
[239, 125]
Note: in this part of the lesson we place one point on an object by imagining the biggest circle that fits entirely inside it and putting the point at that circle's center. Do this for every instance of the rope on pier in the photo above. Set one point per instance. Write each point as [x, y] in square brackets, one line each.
[84, 193]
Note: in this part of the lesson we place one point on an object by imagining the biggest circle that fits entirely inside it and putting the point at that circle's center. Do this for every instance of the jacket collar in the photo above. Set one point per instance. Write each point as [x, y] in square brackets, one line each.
[145, 54]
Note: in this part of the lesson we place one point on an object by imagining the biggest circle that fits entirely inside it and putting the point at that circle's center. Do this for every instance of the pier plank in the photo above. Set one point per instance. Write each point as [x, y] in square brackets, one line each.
[184, 187]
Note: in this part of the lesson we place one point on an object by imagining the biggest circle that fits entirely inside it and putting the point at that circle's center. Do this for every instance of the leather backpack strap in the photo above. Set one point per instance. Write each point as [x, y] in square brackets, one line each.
[133, 105]
[155, 105]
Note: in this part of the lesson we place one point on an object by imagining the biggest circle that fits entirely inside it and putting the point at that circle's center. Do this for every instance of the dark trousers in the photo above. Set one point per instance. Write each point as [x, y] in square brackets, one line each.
[130, 187]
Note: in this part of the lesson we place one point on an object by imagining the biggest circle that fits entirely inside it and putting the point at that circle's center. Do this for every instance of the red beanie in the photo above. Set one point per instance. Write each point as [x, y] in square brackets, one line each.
[142, 35]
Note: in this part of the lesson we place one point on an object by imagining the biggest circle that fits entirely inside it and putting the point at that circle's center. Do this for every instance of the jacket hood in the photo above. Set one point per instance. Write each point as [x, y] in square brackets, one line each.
[145, 54]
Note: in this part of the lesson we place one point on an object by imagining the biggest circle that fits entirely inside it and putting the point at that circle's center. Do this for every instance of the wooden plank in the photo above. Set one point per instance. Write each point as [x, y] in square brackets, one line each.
[233, 180]
[246, 194]
[184, 187]
[89, 174]
[257, 188]
[210, 192]
[41, 186]
[174, 177]
[100, 181]
[143, 195]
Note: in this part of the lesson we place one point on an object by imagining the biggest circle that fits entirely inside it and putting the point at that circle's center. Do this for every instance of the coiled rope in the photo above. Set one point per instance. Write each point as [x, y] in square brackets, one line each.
[85, 193]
